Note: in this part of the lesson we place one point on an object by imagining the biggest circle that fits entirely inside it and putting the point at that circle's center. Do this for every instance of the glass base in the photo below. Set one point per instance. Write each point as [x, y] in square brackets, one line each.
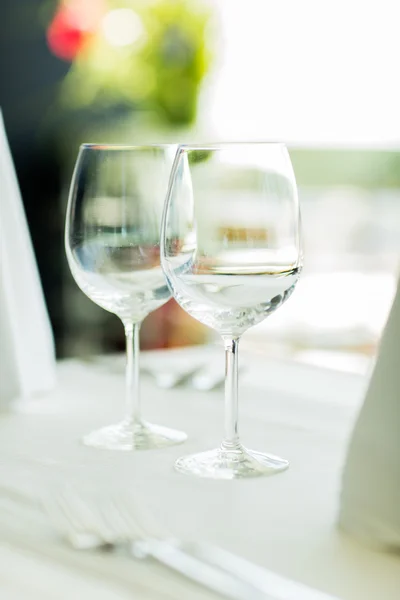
[129, 435]
[237, 463]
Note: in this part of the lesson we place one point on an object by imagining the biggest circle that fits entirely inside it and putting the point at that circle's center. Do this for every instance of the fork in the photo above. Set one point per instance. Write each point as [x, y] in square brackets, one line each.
[110, 528]
[124, 525]
[168, 379]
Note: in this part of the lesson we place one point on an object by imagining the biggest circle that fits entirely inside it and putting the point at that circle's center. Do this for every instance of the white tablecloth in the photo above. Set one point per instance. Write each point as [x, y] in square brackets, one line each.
[285, 523]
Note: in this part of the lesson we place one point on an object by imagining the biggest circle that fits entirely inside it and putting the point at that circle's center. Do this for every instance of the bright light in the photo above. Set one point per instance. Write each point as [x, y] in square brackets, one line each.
[309, 72]
[122, 27]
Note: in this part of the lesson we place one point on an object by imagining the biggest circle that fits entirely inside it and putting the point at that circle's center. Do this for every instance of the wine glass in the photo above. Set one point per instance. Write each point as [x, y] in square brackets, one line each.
[231, 252]
[112, 240]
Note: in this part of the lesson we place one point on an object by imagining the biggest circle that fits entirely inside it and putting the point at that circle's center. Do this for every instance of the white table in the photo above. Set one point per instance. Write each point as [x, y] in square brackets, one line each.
[285, 523]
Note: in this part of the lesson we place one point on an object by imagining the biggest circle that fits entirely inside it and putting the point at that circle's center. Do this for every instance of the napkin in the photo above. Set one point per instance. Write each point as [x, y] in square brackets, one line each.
[370, 498]
[27, 360]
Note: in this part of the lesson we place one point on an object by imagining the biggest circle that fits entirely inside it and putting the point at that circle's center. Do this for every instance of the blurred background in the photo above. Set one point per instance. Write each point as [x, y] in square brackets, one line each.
[320, 76]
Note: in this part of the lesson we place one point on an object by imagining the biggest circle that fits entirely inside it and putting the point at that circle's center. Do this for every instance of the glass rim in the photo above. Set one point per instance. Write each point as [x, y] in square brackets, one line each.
[223, 145]
[116, 146]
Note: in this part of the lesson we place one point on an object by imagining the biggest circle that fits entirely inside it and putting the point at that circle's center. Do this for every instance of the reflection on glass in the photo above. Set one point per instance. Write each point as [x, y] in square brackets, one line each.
[113, 250]
[231, 253]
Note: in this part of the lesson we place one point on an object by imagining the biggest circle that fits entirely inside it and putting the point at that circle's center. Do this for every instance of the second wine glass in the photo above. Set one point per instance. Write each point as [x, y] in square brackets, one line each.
[113, 250]
[231, 252]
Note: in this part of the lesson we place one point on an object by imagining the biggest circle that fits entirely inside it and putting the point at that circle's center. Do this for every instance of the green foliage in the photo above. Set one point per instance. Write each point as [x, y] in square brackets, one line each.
[199, 156]
[161, 72]
[358, 168]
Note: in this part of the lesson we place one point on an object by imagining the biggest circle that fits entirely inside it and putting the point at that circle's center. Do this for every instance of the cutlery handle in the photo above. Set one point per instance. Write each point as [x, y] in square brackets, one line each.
[265, 583]
[186, 562]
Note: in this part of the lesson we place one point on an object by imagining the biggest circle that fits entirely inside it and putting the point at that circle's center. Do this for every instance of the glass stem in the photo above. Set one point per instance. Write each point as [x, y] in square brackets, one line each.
[132, 372]
[231, 439]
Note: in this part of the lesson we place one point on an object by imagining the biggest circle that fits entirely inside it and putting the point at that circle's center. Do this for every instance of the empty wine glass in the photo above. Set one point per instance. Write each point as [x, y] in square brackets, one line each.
[112, 240]
[231, 252]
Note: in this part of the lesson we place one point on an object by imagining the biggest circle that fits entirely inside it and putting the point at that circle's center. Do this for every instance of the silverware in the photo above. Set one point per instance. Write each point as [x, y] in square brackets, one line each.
[168, 379]
[209, 378]
[201, 376]
[110, 528]
[113, 525]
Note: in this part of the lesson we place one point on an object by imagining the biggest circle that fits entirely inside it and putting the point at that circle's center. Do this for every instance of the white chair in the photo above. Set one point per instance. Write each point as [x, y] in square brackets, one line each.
[370, 499]
[27, 360]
